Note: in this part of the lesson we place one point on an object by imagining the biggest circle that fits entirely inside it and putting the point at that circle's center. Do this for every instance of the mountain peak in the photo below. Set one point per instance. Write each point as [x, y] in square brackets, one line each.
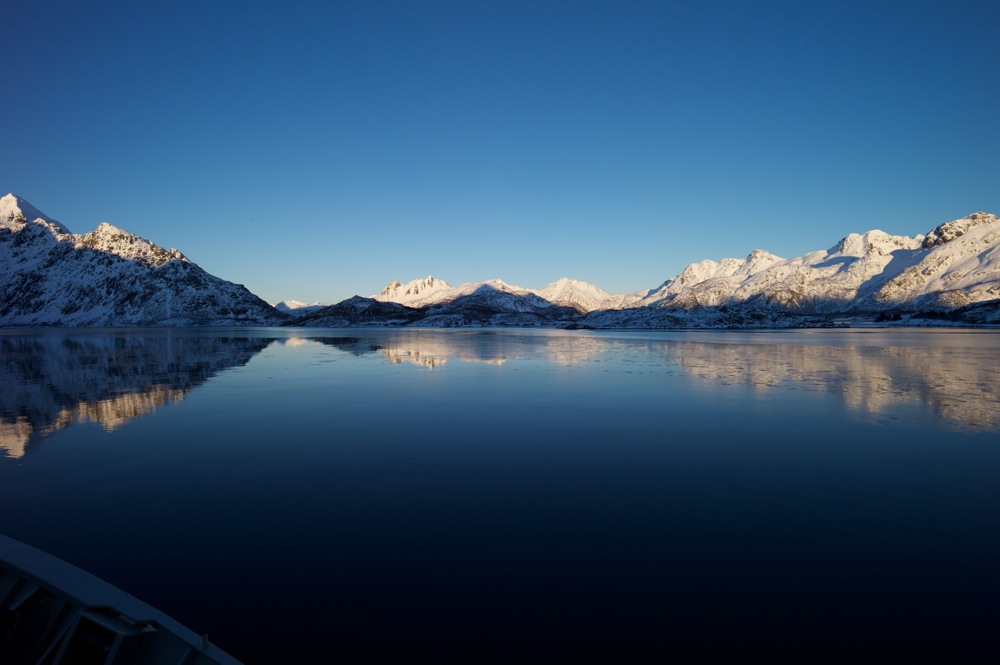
[413, 291]
[760, 254]
[581, 296]
[125, 244]
[873, 242]
[15, 211]
[299, 308]
[105, 228]
[758, 259]
[565, 282]
[951, 230]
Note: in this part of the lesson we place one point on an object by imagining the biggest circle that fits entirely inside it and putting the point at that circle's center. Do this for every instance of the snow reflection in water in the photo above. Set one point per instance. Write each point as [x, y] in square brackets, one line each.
[55, 379]
[954, 373]
[467, 495]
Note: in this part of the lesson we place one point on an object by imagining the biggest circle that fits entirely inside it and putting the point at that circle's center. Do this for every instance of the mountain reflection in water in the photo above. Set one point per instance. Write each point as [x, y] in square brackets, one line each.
[55, 379]
[957, 381]
[433, 349]
[958, 384]
[469, 495]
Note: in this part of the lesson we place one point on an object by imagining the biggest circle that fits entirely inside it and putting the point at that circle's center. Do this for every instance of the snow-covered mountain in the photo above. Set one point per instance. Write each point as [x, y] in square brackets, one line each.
[823, 280]
[491, 303]
[108, 277]
[955, 265]
[430, 292]
[494, 303]
[493, 293]
[417, 293]
[584, 297]
[358, 311]
[299, 308]
[960, 266]
[15, 211]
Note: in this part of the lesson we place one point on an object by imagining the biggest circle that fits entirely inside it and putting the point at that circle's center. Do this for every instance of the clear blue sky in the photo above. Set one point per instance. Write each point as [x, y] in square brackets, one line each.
[318, 150]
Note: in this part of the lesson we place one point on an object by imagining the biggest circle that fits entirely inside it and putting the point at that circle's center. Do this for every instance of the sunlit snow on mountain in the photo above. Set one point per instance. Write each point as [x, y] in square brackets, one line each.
[110, 276]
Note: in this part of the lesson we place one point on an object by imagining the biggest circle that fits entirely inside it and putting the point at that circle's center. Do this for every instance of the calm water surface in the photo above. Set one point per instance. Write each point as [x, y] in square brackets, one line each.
[486, 495]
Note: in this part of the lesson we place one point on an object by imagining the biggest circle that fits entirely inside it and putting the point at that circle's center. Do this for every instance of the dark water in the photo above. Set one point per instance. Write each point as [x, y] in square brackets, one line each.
[497, 496]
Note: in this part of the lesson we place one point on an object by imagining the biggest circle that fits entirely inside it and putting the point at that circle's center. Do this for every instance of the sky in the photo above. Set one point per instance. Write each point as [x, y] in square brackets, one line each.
[318, 150]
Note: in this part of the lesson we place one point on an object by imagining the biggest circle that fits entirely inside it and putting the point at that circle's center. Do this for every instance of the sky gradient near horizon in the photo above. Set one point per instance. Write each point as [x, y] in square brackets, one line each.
[315, 151]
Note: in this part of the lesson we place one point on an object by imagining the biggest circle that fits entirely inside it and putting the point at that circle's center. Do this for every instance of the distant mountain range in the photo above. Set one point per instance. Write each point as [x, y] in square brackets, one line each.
[111, 277]
[298, 308]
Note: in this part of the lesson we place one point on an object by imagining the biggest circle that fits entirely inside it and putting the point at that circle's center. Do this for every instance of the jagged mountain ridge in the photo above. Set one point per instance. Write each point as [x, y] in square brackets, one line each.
[416, 293]
[108, 277]
[432, 292]
[961, 268]
[955, 265]
[837, 279]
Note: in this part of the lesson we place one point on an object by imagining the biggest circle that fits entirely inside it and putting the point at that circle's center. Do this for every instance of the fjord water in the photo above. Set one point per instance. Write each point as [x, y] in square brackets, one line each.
[492, 495]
